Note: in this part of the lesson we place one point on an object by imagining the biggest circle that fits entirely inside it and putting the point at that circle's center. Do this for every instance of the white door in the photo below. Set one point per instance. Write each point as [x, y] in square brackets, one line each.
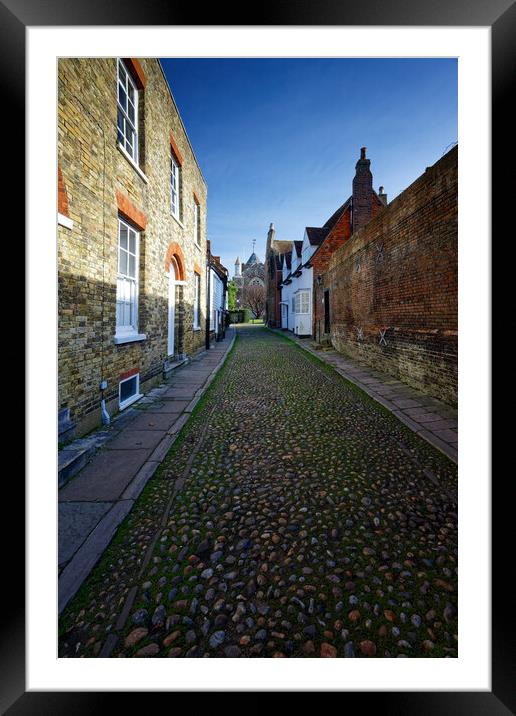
[171, 308]
[284, 315]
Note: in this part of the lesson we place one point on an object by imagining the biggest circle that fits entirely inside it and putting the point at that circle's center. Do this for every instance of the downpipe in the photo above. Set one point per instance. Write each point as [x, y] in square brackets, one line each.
[106, 420]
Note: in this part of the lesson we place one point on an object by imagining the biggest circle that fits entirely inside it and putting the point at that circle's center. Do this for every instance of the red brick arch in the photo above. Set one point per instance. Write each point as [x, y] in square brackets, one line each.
[175, 254]
[62, 196]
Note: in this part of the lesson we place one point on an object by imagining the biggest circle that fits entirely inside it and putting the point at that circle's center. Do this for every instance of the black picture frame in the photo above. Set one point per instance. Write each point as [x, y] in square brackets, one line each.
[500, 15]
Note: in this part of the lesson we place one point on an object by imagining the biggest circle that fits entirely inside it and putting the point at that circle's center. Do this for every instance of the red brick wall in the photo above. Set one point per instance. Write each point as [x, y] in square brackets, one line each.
[320, 262]
[398, 274]
[62, 196]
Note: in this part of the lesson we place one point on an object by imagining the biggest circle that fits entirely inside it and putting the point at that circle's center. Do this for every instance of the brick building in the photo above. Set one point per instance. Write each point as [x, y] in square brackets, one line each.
[303, 311]
[363, 205]
[131, 236]
[391, 288]
[274, 277]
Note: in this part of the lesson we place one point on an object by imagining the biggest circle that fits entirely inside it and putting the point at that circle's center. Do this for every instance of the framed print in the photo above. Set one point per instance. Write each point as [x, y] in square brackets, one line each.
[211, 502]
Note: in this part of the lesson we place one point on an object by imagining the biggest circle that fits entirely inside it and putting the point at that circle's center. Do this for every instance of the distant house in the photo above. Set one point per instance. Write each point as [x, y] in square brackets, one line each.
[274, 277]
[218, 282]
[286, 300]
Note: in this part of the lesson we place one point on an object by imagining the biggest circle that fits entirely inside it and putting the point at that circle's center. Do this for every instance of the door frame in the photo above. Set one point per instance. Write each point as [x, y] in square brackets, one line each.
[171, 310]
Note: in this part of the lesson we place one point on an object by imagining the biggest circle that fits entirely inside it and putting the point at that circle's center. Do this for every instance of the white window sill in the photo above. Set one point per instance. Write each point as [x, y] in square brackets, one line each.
[128, 338]
[132, 163]
[177, 220]
[64, 221]
[197, 328]
[130, 401]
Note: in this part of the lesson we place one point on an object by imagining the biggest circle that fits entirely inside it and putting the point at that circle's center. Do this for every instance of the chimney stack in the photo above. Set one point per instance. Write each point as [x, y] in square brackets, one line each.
[270, 239]
[382, 196]
[362, 192]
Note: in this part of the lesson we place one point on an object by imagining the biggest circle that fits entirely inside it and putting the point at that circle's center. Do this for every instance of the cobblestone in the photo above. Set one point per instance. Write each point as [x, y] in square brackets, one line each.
[293, 517]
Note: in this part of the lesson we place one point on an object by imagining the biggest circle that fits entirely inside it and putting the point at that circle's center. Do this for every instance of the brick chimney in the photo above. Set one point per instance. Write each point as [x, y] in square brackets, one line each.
[382, 196]
[362, 192]
[270, 239]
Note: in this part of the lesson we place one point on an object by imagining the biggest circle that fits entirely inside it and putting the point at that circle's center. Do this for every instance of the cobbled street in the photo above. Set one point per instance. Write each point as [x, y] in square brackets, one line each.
[294, 517]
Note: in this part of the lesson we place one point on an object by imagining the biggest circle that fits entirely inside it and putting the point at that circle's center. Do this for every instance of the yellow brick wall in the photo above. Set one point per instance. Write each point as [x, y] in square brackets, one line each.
[93, 170]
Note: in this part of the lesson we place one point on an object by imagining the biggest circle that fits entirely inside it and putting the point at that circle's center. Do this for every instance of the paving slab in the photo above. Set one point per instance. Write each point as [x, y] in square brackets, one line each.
[180, 393]
[89, 552]
[76, 521]
[136, 439]
[154, 421]
[105, 477]
[170, 406]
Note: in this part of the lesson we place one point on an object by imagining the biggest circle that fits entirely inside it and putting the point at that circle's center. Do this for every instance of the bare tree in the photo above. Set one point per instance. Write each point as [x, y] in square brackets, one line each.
[254, 298]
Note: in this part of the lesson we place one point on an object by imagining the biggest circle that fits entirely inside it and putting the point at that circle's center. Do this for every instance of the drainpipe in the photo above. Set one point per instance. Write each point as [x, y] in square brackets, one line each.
[106, 420]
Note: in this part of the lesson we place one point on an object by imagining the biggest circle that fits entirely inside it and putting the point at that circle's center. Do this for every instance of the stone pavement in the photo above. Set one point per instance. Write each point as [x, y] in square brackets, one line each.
[94, 502]
[294, 517]
[428, 417]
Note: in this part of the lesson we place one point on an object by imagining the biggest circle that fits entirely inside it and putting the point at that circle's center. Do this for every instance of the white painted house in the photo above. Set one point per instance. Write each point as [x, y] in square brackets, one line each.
[217, 302]
[299, 283]
[286, 301]
[217, 294]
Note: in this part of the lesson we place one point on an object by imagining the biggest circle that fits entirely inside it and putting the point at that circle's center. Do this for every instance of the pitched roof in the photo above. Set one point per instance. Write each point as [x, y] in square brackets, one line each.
[288, 260]
[336, 215]
[282, 246]
[298, 245]
[316, 235]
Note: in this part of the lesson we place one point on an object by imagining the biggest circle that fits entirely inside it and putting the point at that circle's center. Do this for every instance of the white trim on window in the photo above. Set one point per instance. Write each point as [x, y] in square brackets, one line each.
[64, 221]
[175, 187]
[132, 398]
[127, 111]
[132, 163]
[197, 224]
[127, 283]
[120, 339]
[197, 303]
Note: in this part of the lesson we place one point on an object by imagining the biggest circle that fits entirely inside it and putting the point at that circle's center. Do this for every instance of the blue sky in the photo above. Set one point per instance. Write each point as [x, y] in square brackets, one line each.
[277, 139]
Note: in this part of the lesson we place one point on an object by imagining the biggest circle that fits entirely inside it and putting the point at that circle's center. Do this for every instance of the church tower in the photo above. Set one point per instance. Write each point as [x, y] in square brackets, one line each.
[238, 267]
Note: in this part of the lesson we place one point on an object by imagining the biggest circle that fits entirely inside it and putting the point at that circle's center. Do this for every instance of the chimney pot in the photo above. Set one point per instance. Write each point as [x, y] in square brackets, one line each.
[381, 190]
[363, 152]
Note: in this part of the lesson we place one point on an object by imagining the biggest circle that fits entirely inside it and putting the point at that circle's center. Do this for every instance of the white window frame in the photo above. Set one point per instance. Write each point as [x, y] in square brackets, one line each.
[133, 398]
[300, 296]
[197, 302]
[197, 224]
[131, 329]
[175, 179]
[127, 85]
